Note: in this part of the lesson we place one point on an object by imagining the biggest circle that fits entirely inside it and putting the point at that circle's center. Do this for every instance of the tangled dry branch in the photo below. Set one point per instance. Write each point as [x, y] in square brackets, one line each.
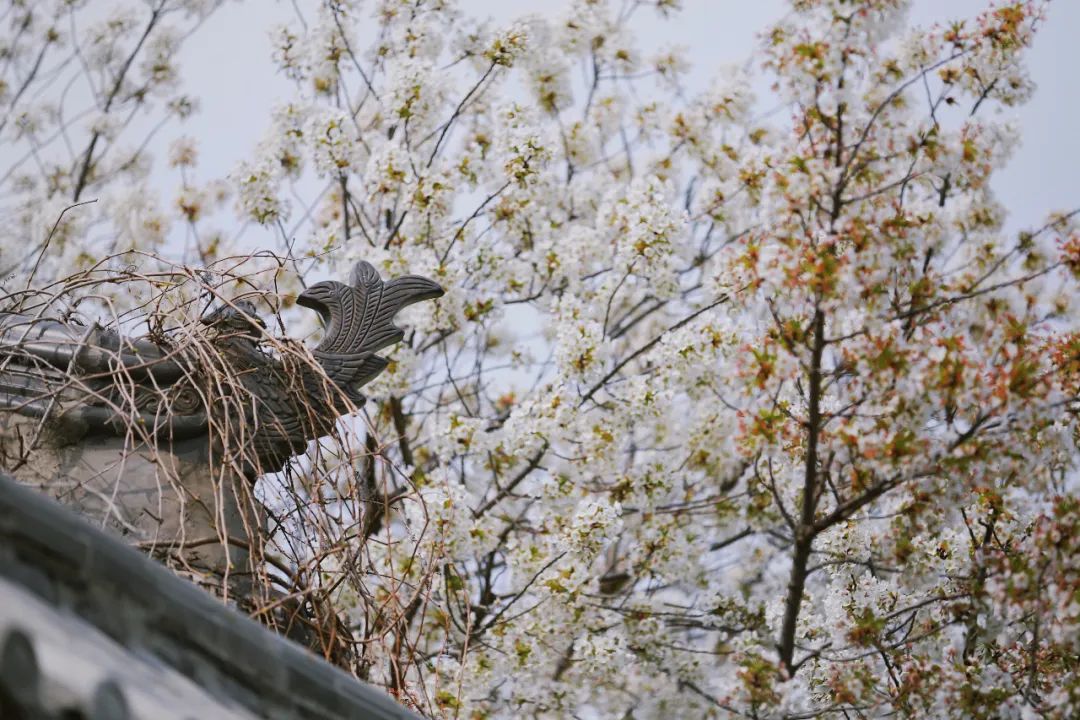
[183, 422]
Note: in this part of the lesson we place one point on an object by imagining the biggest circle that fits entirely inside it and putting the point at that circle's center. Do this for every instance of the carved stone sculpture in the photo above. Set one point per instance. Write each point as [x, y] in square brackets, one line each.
[160, 438]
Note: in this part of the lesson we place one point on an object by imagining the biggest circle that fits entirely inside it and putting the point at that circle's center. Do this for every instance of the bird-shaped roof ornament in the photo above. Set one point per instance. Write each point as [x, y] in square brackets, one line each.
[359, 320]
[288, 400]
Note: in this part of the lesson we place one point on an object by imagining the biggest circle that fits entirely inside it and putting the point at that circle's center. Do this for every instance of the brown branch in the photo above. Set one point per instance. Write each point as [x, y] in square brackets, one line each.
[805, 531]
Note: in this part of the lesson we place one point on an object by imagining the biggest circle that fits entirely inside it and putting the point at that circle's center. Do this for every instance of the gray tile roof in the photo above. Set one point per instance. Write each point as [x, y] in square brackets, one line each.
[90, 628]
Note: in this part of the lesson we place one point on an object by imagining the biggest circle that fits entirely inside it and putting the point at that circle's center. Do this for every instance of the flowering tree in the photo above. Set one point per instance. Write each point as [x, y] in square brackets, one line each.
[720, 416]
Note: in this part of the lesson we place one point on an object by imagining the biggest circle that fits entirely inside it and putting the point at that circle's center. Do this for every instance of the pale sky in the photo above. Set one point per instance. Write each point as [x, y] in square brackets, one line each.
[227, 64]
